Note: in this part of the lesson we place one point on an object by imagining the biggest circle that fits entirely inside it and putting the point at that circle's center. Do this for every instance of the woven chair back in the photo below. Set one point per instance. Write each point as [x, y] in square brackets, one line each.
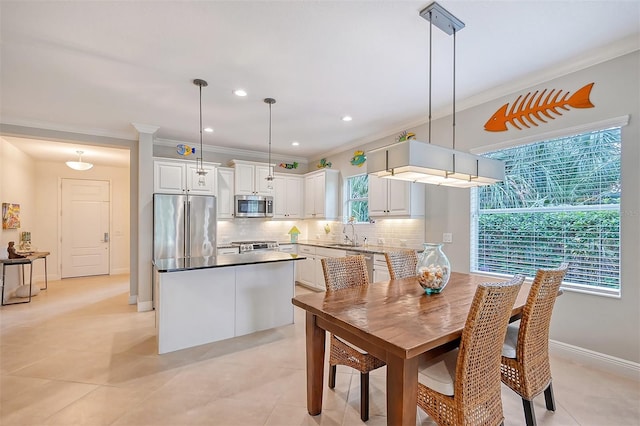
[401, 264]
[344, 272]
[477, 382]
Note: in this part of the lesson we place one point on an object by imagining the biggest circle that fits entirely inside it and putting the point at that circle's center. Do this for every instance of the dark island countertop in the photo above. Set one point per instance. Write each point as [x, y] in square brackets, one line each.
[223, 260]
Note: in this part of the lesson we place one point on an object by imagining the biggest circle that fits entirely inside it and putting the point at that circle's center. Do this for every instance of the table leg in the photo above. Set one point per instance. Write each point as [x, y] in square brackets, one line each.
[315, 364]
[3, 285]
[402, 391]
[46, 280]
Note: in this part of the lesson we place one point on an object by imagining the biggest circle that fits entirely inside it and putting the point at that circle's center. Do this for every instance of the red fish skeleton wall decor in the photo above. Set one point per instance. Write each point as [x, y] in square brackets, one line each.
[534, 107]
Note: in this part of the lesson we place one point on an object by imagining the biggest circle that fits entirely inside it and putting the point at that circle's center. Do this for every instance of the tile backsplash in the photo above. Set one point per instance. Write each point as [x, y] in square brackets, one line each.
[391, 232]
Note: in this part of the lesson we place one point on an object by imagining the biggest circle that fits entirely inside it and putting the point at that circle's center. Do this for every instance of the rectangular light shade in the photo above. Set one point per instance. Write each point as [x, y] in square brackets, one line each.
[417, 161]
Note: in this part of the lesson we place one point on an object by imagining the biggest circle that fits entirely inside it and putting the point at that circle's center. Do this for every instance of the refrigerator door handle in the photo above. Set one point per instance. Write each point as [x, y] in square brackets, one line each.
[187, 230]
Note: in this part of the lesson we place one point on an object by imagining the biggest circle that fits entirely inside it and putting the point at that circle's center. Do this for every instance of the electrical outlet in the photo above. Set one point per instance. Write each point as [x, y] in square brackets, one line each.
[381, 241]
[403, 243]
[447, 237]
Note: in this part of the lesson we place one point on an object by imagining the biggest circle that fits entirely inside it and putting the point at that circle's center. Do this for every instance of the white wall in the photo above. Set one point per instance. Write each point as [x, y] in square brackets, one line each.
[605, 325]
[17, 184]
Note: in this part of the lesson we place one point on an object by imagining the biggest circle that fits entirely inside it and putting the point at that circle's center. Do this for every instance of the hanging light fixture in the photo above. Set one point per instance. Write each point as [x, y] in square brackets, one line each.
[199, 166]
[269, 178]
[424, 162]
[79, 165]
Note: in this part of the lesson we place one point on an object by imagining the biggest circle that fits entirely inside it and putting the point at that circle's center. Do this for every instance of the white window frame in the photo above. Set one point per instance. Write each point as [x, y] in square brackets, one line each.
[348, 200]
[575, 287]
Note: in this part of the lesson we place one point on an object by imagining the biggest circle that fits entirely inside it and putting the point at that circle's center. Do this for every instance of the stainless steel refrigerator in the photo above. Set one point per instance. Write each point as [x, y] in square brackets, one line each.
[183, 226]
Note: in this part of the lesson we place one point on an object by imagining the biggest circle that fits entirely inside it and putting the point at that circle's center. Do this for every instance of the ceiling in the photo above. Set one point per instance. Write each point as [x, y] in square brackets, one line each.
[96, 67]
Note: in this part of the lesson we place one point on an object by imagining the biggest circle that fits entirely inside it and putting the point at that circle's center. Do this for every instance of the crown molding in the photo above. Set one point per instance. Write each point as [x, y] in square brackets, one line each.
[234, 151]
[145, 128]
[130, 136]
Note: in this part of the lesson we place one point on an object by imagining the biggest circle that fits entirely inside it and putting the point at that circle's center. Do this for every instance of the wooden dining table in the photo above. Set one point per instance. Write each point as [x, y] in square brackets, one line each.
[396, 322]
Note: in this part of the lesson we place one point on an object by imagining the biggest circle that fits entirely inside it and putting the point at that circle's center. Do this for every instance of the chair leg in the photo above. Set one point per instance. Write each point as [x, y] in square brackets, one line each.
[549, 399]
[529, 414]
[364, 396]
[332, 376]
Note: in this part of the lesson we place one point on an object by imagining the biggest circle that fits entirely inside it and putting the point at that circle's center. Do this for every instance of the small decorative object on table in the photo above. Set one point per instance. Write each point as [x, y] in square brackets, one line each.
[12, 251]
[433, 269]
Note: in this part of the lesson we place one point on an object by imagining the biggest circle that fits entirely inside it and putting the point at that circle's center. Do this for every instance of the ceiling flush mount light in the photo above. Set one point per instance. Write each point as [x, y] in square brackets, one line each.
[295, 143]
[199, 166]
[269, 178]
[79, 165]
[424, 162]
[347, 118]
[208, 129]
[240, 92]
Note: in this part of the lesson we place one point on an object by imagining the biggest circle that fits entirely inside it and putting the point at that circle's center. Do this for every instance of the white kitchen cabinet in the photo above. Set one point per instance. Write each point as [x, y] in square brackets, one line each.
[225, 193]
[251, 178]
[390, 197]
[287, 196]
[380, 268]
[180, 177]
[310, 270]
[321, 191]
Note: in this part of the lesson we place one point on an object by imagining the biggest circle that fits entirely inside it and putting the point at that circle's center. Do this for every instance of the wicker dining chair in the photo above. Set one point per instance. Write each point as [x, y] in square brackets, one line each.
[462, 386]
[525, 354]
[341, 273]
[401, 264]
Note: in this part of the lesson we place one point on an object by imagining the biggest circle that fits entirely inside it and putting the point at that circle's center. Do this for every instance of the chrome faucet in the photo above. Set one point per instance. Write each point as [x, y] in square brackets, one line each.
[354, 237]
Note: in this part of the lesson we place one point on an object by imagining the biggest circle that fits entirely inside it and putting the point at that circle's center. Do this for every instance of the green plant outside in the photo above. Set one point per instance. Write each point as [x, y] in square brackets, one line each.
[357, 200]
[565, 197]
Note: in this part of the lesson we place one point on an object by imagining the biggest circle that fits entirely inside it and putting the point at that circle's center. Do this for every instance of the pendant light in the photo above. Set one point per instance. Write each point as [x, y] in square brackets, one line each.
[269, 178]
[79, 165]
[417, 161]
[199, 166]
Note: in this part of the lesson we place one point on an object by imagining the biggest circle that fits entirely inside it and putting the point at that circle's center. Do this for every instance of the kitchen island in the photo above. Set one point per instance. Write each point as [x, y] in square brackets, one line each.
[201, 300]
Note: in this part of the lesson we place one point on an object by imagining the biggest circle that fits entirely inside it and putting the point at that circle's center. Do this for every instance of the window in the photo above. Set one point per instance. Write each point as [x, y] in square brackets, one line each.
[560, 201]
[357, 190]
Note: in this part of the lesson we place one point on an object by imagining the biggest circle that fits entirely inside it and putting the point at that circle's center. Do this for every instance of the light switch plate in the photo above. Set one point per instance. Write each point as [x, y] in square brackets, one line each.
[447, 237]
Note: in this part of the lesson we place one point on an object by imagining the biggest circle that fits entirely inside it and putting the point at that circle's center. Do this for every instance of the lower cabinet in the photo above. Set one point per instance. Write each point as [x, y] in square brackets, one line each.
[309, 271]
[380, 268]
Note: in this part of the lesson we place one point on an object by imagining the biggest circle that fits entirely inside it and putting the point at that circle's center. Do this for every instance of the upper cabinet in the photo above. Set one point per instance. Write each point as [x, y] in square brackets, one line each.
[390, 197]
[251, 178]
[321, 191]
[225, 193]
[287, 196]
[181, 177]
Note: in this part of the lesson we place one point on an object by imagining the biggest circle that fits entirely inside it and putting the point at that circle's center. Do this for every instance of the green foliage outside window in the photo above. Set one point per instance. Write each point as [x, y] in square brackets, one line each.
[358, 198]
[560, 201]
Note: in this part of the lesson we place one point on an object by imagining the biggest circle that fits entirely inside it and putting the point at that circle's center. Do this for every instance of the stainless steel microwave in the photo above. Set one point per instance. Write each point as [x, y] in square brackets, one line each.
[254, 206]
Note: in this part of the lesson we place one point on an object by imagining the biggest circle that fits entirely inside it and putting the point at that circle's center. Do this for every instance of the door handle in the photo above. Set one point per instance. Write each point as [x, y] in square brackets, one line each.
[106, 237]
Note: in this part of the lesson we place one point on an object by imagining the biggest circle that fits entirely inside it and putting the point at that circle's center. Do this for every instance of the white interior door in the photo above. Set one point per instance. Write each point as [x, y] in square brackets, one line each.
[85, 228]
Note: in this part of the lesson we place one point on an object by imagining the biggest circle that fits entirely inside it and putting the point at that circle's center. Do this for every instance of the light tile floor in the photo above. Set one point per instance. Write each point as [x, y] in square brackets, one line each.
[78, 354]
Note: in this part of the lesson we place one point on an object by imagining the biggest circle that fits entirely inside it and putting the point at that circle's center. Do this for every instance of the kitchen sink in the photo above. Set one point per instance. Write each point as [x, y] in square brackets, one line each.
[342, 245]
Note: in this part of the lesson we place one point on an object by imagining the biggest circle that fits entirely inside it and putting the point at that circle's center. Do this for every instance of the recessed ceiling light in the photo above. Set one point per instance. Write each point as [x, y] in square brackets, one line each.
[208, 129]
[295, 143]
[240, 92]
[347, 118]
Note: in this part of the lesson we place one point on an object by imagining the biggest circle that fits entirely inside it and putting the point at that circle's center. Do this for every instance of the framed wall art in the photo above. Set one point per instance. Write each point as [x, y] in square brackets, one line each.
[10, 216]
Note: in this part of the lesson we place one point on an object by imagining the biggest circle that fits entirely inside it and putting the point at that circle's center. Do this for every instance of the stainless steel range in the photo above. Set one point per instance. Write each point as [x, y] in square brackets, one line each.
[253, 246]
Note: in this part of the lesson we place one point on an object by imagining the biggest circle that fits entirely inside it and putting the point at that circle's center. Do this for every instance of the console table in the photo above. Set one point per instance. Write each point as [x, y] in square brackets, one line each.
[27, 260]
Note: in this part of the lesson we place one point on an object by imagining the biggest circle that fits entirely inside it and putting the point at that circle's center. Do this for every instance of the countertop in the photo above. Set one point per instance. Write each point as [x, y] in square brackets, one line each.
[375, 249]
[223, 260]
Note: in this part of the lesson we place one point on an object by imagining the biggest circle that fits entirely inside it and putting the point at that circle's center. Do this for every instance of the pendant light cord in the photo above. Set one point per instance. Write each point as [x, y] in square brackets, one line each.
[270, 139]
[430, 60]
[454, 89]
[200, 166]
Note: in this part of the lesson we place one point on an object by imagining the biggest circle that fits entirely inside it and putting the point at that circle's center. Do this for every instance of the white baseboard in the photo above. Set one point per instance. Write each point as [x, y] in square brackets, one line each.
[133, 299]
[119, 271]
[612, 364]
[145, 306]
